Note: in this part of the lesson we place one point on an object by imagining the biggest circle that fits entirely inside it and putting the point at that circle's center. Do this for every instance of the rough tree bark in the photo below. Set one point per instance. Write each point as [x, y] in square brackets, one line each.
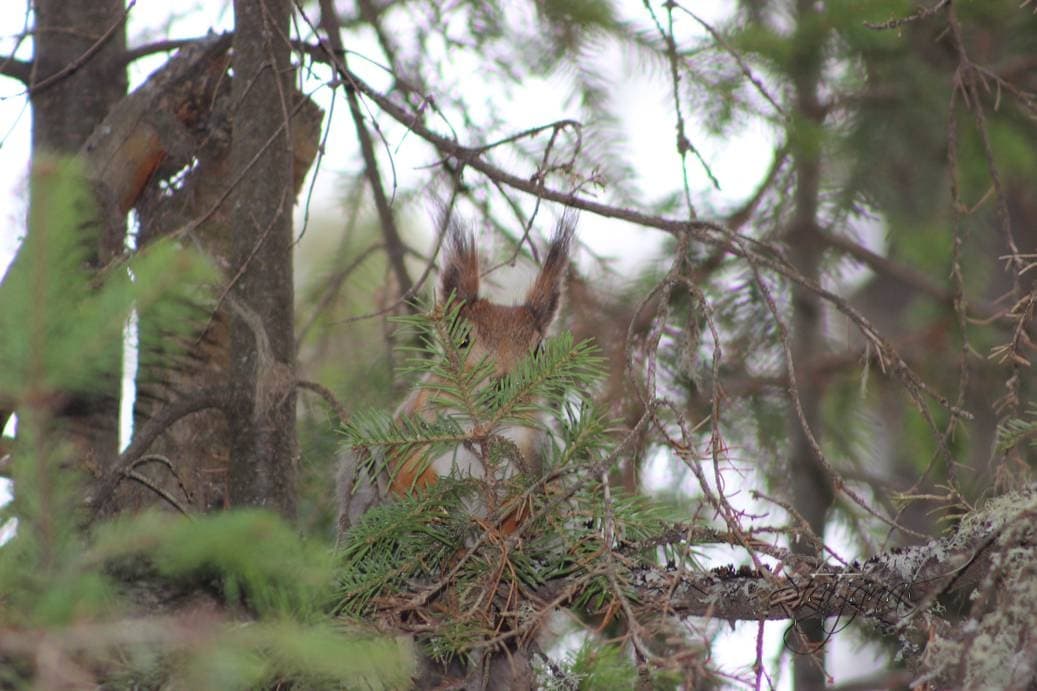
[262, 417]
[77, 73]
[164, 151]
[78, 70]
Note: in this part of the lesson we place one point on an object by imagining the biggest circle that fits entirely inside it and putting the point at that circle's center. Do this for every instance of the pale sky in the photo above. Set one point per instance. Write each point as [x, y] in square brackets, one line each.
[643, 102]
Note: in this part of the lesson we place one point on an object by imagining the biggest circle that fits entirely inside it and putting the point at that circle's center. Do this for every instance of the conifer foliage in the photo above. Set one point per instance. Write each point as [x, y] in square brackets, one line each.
[446, 562]
[808, 413]
[147, 600]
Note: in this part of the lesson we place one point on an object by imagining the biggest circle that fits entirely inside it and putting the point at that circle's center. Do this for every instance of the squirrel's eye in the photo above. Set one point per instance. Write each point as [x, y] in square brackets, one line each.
[465, 342]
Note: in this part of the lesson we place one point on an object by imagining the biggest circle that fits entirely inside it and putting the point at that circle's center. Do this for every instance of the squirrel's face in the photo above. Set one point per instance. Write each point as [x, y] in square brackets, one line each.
[500, 334]
[504, 334]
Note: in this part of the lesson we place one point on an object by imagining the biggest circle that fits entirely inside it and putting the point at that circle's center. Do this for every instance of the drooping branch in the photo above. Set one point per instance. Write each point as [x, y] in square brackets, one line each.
[214, 397]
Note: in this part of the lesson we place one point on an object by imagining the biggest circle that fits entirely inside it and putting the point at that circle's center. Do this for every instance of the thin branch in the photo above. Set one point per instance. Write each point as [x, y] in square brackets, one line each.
[169, 498]
[143, 51]
[742, 64]
[16, 69]
[162, 460]
[218, 397]
[966, 80]
[336, 53]
[331, 290]
[324, 392]
[11, 66]
[70, 68]
[898, 22]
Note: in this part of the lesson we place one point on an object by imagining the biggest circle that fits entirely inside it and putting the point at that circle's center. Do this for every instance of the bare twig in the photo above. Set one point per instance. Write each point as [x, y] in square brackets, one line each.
[169, 498]
[335, 52]
[11, 66]
[740, 60]
[70, 68]
[213, 397]
[921, 13]
[324, 392]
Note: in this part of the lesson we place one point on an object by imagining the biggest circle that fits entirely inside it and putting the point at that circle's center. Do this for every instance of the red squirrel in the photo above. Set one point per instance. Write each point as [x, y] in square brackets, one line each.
[500, 334]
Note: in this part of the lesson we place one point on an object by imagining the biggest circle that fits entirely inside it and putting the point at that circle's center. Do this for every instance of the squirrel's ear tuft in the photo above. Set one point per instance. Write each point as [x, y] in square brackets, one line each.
[460, 274]
[545, 294]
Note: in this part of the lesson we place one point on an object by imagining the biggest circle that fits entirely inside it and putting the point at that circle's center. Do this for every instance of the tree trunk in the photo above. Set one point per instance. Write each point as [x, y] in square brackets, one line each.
[810, 485]
[262, 416]
[78, 73]
[78, 70]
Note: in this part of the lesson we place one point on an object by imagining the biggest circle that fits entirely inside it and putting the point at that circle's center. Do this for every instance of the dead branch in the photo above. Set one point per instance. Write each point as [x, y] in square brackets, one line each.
[218, 397]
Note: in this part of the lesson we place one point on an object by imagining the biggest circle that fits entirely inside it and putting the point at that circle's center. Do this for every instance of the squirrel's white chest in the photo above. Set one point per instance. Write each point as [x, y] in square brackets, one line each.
[467, 461]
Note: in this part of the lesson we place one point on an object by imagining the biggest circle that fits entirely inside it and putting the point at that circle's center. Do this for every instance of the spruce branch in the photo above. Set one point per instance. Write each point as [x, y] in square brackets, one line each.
[558, 368]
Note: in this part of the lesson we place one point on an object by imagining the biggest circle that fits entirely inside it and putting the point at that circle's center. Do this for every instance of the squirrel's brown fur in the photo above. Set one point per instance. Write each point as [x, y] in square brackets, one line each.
[502, 335]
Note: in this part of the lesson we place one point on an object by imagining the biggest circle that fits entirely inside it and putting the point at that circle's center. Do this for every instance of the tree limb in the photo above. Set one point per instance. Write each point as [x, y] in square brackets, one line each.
[16, 69]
